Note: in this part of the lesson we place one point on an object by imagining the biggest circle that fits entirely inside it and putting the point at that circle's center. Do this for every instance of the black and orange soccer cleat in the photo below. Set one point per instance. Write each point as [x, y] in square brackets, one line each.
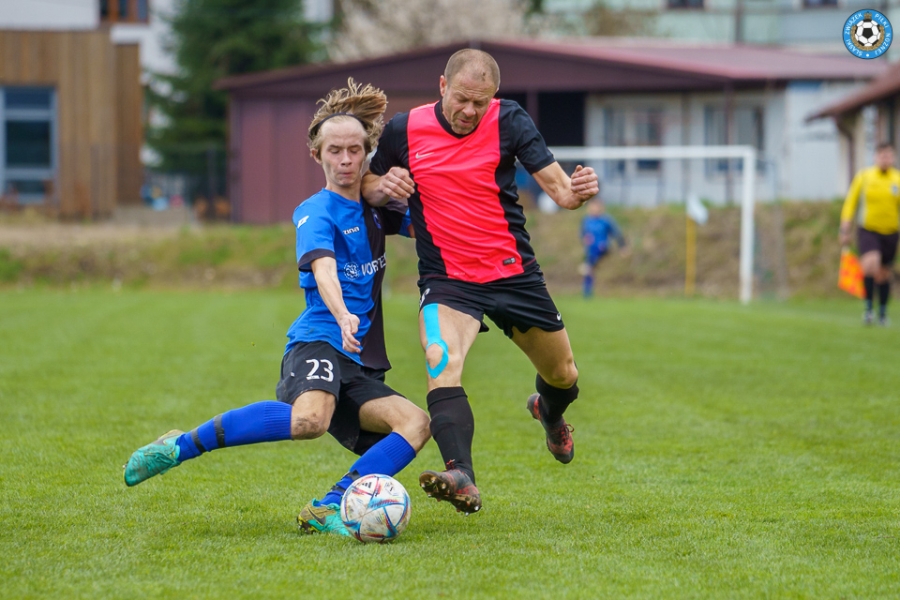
[454, 486]
[559, 435]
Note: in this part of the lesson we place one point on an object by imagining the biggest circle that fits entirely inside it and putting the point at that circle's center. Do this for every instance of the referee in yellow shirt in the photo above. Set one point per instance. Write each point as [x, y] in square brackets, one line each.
[874, 198]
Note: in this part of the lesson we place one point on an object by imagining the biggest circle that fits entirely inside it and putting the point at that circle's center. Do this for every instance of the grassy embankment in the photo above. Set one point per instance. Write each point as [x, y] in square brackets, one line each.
[796, 254]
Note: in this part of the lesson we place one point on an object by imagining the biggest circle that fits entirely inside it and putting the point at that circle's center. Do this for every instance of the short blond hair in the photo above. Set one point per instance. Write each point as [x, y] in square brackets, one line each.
[363, 103]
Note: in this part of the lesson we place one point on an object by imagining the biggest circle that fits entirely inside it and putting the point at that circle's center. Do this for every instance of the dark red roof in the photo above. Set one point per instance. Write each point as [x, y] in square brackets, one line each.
[728, 61]
[589, 64]
[886, 85]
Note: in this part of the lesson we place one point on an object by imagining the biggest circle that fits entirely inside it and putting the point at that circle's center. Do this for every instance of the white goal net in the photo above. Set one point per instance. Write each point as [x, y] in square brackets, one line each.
[589, 156]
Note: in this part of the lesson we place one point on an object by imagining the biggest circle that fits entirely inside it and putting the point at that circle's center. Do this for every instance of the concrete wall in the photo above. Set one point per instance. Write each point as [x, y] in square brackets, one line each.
[798, 160]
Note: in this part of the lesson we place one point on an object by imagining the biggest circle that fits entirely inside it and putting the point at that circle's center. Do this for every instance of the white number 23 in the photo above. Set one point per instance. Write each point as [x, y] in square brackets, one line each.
[326, 367]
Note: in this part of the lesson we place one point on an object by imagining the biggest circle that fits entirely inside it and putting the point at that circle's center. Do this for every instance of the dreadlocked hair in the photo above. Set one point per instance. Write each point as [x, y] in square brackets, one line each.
[365, 103]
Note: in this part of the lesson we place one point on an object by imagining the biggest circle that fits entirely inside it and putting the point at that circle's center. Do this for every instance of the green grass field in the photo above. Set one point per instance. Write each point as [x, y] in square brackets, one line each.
[722, 451]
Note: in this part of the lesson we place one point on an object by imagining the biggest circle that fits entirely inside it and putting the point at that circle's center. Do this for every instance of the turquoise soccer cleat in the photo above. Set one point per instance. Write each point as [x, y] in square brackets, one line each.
[153, 459]
[321, 518]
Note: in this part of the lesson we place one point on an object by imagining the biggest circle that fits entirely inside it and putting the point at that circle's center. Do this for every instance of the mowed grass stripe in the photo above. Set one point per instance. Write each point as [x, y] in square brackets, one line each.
[720, 451]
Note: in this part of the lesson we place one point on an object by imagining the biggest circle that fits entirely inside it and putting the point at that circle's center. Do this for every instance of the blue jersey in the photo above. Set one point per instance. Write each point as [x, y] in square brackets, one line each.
[327, 224]
[596, 231]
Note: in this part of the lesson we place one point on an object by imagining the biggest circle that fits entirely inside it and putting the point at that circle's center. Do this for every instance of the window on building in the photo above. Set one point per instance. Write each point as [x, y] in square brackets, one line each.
[632, 127]
[648, 125]
[27, 142]
[684, 3]
[819, 3]
[748, 130]
[614, 135]
[124, 11]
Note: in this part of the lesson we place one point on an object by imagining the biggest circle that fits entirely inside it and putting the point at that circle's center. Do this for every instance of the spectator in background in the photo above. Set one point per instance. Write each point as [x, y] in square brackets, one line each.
[874, 198]
[596, 229]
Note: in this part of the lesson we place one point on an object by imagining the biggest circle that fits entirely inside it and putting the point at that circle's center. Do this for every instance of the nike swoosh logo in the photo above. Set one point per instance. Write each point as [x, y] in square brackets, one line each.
[423, 154]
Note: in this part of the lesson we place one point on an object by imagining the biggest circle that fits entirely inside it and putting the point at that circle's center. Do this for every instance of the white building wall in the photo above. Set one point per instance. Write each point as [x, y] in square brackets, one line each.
[151, 38]
[683, 124]
[813, 165]
[798, 160]
[49, 14]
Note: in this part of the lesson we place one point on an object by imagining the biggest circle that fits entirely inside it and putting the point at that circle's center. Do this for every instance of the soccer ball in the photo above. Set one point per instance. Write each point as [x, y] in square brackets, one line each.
[867, 33]
[375, 508]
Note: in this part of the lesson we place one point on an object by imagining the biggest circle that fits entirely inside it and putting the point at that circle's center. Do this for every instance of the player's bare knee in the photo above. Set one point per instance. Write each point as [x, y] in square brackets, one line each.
[413, 424]
[434, 354]
[564, 375]
[307, 426]
[420, 430]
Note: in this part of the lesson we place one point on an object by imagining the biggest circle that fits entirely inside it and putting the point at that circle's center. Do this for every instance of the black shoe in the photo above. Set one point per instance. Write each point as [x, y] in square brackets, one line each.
[454, 486]
[559, 435]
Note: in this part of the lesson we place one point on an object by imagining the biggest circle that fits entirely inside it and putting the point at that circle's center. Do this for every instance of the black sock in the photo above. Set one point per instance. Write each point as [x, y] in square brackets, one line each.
[554, 401]
[453, 426]
[884, 292]
[869, 284]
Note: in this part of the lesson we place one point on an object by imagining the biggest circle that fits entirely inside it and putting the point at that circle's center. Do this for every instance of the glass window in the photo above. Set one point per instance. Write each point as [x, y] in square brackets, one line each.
[123, 10]
[685, 3]
[27, 132]
[28, 144]
[749, 130]
[648, 132]
[26, 187]
[818, 3]
[614, 135]
[27, 98]
[142, 10]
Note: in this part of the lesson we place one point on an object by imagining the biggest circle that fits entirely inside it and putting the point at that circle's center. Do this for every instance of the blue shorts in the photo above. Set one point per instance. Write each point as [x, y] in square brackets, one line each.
[593, 254]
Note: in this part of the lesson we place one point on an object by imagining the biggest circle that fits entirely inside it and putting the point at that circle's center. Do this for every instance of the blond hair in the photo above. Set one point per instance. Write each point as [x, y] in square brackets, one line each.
[363, 103]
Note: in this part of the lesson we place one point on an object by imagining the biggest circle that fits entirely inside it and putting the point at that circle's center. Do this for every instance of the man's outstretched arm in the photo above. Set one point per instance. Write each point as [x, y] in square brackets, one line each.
[568, 192]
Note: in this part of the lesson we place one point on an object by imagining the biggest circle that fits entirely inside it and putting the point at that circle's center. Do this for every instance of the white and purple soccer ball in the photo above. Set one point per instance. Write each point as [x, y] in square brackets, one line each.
[375, 508]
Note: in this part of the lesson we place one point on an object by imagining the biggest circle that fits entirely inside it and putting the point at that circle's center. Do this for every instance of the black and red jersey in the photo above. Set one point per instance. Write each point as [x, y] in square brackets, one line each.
[466, 213]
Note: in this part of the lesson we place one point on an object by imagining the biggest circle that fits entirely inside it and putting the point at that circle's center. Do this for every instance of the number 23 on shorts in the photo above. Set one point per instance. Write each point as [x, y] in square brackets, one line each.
[327, 370]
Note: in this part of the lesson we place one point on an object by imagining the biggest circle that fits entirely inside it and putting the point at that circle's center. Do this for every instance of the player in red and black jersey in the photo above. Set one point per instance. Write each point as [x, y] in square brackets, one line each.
[454, 161]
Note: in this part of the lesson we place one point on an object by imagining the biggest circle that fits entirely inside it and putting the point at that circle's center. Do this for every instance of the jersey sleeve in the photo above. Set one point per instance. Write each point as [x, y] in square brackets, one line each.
[852, 199]
[315, 235]
[390, 146]
[528, 143]
[396, 219]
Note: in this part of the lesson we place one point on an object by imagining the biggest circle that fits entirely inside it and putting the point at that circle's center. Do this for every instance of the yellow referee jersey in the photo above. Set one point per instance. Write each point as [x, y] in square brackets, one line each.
[877, 194]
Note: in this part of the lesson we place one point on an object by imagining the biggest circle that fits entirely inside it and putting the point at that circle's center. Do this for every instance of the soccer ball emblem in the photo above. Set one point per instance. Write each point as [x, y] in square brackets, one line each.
[867, 34]
[375, 508]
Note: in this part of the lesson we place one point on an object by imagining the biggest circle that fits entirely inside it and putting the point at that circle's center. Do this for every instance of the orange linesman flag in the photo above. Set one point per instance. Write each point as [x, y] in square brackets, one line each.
[850, 276]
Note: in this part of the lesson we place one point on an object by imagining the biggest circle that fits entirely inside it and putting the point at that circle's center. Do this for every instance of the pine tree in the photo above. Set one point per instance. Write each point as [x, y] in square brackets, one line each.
[212, 39]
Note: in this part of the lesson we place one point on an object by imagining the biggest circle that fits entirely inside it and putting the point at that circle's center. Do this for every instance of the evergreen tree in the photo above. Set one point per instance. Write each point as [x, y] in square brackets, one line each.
[212, 39]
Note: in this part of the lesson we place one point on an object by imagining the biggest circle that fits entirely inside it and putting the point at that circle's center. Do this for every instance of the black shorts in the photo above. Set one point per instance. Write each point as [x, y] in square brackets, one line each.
[319, 366]
[521, 301]
[870, 241]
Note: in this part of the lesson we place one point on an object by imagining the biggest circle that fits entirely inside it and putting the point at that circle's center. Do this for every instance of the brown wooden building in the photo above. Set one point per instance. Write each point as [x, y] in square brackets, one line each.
[70, 121]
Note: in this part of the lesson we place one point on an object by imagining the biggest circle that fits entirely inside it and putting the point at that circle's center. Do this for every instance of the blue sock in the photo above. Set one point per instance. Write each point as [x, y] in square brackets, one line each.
[588, 286]
[267, 421]
[387, 457]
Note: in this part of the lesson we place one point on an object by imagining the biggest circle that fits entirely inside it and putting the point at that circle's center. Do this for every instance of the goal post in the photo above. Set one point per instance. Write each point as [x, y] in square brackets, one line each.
[747, 154]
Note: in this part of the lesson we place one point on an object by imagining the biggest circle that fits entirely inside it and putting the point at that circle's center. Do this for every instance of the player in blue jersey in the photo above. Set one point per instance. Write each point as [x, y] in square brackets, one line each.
[332, 372]
[596, 230]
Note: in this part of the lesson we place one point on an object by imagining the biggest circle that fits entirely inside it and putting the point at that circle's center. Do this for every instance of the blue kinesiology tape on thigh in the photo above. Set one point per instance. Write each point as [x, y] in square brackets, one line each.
[433, 335]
